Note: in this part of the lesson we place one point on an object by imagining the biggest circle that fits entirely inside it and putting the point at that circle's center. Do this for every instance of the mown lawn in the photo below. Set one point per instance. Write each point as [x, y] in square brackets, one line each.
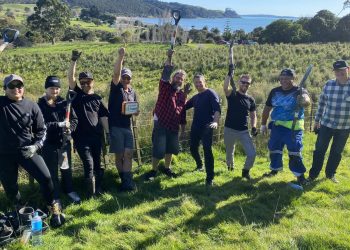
[234, 214]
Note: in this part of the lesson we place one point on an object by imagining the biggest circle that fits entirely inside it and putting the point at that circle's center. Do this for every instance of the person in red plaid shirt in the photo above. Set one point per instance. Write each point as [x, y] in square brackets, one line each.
[168, 117]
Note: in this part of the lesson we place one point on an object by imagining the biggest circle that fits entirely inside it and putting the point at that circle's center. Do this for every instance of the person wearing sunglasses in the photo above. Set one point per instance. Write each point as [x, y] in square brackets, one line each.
[240, 108]
[92, 119]
[121, 137]
[282, 101]
[206, 116]
[57, 147]
[22, 134]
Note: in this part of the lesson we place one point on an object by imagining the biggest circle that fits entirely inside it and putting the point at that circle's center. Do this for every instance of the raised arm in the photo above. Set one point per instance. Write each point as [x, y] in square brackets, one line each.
[168, 67]
[118, 66]
[71, 71]
[227, 91]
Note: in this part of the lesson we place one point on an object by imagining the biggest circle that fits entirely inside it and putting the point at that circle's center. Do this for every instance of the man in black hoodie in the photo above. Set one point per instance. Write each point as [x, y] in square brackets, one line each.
[22, 134]
[92, 119]
[57, 147]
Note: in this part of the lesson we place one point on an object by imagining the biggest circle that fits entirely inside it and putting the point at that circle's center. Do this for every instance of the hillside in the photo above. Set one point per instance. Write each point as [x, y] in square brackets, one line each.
[143, 8]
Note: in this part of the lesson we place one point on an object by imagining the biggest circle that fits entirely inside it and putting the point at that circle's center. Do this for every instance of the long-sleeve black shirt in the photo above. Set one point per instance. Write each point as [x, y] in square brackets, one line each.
[21, 124]
[54, 115]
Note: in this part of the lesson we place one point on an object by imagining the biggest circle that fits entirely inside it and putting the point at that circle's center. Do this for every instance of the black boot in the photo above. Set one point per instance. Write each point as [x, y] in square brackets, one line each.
[98, 184]
[245, 174]
[301, 180]
[91, 186]
[128, 183]
[57, 217]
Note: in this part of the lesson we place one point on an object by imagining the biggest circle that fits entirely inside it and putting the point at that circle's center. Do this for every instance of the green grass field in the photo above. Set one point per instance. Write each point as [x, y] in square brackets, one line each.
[182, 214]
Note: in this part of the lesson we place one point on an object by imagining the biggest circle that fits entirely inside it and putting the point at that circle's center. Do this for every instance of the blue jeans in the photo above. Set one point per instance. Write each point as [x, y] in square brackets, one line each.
[340, 136]
[206, 136]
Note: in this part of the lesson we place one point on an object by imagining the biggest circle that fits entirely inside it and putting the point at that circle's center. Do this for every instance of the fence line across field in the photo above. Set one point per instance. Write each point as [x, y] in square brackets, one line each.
[142, 127]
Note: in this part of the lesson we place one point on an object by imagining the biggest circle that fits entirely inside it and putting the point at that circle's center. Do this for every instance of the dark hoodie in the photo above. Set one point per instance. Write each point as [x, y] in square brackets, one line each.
[21, 124]
[54, 115]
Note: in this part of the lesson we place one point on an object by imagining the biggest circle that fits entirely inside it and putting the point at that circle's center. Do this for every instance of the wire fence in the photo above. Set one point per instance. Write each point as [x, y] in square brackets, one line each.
[143, 125]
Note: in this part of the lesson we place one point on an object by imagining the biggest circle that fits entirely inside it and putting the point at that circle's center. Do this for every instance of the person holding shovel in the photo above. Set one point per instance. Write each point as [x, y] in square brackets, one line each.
[92, 119]
[167, 117]
[283, 101]
[240, 107]
[57, 147]
[22, 134]
[122, 104]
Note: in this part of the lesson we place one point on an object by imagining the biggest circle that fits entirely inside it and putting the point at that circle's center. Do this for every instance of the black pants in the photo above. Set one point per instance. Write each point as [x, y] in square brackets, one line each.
[340, 136]
[35, 166]
[206, 136]
[59, 158]
[89, 151]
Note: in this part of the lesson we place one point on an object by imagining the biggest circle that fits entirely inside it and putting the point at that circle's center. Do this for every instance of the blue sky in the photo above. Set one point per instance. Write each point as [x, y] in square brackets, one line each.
[296, 8]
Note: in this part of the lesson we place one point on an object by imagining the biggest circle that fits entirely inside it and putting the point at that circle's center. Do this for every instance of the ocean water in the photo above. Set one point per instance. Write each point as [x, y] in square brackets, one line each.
[247, 23]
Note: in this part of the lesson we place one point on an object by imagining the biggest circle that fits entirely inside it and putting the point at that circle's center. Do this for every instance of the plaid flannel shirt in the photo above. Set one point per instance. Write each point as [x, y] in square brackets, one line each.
[334, 106]
[169, 106]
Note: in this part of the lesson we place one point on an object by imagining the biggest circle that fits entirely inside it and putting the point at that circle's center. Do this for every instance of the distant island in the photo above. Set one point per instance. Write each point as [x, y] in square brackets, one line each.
[143, 8]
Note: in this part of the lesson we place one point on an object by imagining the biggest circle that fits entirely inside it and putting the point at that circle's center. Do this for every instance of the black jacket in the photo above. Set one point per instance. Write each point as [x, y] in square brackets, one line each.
[54, 115]
[21, 124]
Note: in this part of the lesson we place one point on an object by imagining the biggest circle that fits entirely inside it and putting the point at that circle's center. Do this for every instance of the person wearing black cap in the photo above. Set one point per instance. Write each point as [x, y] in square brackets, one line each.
[283, 101]
[57, 147]
[122, 96]
[22, 134]
[332, 120]
[92, 119]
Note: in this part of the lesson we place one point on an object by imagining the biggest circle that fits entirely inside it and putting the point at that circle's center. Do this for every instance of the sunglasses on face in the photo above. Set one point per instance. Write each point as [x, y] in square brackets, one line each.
[244, 82]
[85, 83]
[13, 85]
[126, 78]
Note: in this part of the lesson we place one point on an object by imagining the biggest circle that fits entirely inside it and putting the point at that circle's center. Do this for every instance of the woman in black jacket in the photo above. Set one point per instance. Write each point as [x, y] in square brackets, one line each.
[57, 147]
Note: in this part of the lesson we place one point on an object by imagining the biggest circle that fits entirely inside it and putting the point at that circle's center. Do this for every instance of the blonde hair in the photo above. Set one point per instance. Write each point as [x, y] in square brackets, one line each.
[246, 76]
[179, 71]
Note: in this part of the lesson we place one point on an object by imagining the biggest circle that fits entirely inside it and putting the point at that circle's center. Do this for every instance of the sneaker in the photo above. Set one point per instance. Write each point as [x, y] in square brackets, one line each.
[271, 173]
[246, 175]
[74, 197]
[301, 180]
[149, 176]
[168, 172]
[333, 179]
[57, 217]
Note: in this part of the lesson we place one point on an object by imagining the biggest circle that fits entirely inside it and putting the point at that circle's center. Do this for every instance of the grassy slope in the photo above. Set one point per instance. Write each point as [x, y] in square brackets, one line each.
[181, 214]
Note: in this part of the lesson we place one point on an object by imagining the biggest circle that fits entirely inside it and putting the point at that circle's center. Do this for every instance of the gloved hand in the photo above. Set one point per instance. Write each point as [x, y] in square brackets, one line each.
[231, 68]
[254, 131]
[213, 125]
[29, 151]
[263, 130]
[76, 55]
[187, 88]
[167, 70]
[64, 124]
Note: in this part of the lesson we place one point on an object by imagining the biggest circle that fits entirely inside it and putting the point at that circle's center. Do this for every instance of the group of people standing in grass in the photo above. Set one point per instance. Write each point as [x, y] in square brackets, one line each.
[37, 136]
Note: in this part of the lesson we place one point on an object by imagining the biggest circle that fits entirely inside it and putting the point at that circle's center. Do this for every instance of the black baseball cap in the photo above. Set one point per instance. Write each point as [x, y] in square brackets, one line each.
[52, 81]
[86, 75]
[288, 72]
[340, 64]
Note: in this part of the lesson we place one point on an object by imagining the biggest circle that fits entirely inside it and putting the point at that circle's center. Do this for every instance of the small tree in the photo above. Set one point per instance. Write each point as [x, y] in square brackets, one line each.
[50, 18]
